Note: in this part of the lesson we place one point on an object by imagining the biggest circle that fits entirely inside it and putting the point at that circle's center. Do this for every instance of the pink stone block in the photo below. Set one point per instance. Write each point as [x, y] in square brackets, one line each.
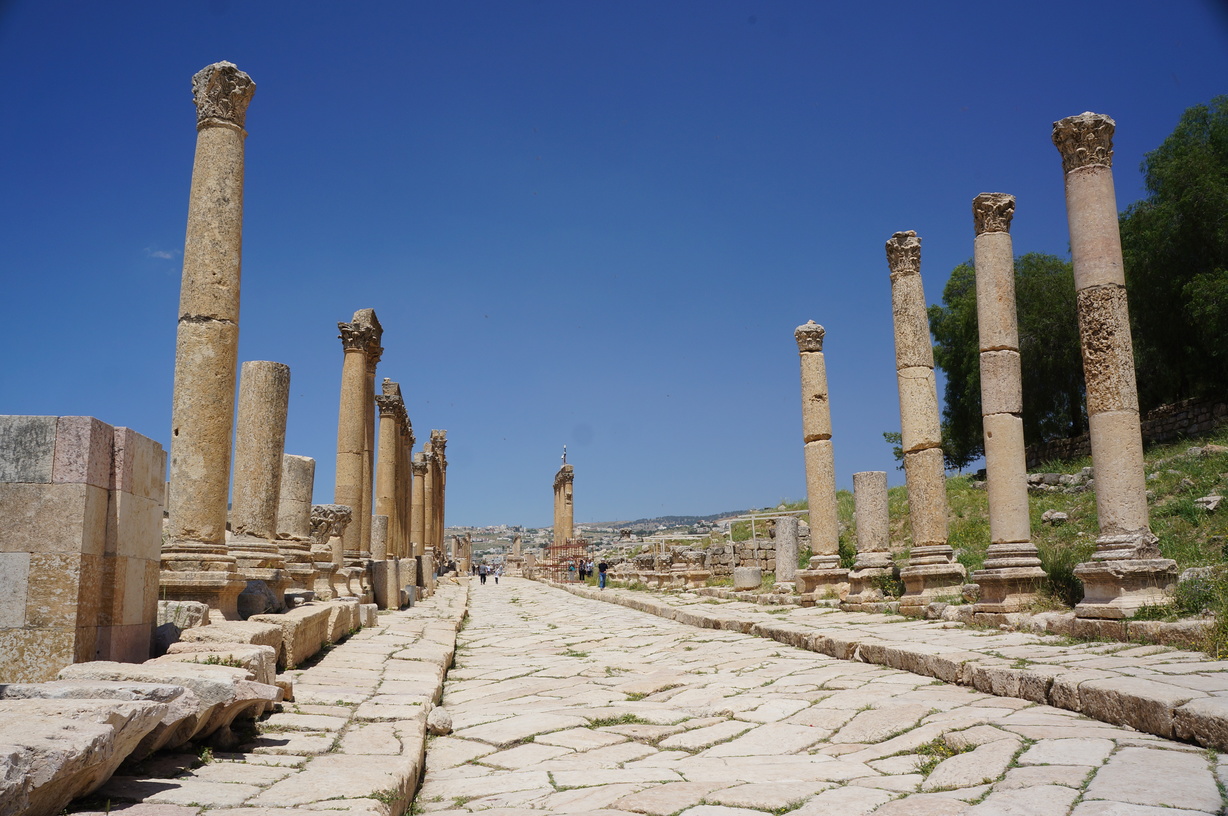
[139, 465]
[82, 452]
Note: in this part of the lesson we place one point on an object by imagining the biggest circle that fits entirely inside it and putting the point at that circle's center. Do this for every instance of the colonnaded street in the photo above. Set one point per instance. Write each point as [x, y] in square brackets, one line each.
[568, 705]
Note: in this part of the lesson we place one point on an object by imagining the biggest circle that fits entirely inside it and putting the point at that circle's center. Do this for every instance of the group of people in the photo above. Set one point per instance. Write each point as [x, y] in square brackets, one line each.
[485, 570]
[585, 570]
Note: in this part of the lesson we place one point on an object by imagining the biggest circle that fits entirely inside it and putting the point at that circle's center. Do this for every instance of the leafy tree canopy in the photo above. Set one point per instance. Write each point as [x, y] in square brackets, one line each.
[1175, 243]
[1048, 346]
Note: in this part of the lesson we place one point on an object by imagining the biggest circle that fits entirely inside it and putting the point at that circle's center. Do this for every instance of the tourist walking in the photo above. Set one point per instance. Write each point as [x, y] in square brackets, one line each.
[601, 568]
[482, 573]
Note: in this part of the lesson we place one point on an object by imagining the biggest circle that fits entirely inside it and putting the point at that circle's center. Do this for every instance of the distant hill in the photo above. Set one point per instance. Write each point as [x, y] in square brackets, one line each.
[668, 521]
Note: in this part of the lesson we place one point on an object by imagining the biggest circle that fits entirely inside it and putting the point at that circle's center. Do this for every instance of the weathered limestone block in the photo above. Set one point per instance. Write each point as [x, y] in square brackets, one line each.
[368, 614]
[874, 563]
[53, 751]
[261, 661]
[83, 528]
[303, 631]
[215, 696]
[747, 578]
[255, 632]
[386, 581]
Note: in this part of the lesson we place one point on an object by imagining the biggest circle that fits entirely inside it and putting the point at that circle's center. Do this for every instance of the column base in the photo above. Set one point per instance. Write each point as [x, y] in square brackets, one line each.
[217, 590]
[1007, 589]
[697, 579]
[830, 581]
[1116, 589]
[932, 572]
[865, 587]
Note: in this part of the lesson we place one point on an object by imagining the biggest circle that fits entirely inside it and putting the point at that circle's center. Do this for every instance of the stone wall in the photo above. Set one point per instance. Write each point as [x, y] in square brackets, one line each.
[1187, 418]
[79, 557]
[757, 552]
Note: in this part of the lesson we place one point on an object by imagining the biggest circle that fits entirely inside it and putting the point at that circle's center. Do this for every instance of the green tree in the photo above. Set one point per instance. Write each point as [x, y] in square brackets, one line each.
[1175, 243]
[1048, 345]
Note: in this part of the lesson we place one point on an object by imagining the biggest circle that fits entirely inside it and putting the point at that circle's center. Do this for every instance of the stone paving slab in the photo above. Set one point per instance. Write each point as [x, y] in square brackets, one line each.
[352, 741]
[1156, 689]
[712, 722]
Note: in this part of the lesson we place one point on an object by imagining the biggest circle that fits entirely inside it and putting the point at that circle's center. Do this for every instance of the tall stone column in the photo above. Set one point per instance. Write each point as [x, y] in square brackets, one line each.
[429, 541]
[564, 484]
[391, 422]
[1126, 572]
[360, 338]
[374, 352]
[439, 443]
[195, 563]
[824, 574]
[298, 475]
[260, 441]
[874, 564]
[417, 512]
[932, 570]
[1012, 573]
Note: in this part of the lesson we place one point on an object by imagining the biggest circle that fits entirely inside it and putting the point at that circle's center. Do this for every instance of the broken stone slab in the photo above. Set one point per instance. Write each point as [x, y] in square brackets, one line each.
[91, 690]
[303, 631]
[368, 614]
[217, 696]
[257, 632]
[261, 661]
[344, 618]
[53, 751]
[1204, 721]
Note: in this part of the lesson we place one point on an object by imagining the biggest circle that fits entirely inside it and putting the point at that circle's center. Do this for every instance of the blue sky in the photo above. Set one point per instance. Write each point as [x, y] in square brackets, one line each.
[584, 223]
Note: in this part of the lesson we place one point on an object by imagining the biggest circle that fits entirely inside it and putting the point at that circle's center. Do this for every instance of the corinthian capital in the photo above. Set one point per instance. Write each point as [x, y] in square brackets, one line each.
[1084, 140]
[992, 212]
[222, 93]
[391, 406]
[354, 336]
[566, 474]
[809, 336]
[904, 253]
[329, 520]
[419, 464]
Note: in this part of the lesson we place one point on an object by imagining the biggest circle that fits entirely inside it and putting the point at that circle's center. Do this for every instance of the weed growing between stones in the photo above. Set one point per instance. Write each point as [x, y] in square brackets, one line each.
[622, 719]
[935, 751]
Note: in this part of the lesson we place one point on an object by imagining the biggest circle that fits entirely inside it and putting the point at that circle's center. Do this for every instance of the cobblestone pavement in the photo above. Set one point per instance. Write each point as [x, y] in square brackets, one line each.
[352, 739]
[564, 704]
[1161, 690]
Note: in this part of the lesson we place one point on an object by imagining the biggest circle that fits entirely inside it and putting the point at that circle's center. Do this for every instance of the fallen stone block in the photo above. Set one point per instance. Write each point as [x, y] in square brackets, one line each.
[261, 661]
[368, 614]
[216, 696]
[91, 690]
[343, 618]
[257, 632]
[53, 751]
[302, 632]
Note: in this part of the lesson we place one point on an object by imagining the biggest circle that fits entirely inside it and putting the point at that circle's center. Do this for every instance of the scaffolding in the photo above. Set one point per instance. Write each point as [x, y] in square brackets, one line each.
[561, 561]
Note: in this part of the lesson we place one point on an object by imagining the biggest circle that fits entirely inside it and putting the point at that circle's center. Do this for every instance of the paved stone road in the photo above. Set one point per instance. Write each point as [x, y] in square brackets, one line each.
[570, 705]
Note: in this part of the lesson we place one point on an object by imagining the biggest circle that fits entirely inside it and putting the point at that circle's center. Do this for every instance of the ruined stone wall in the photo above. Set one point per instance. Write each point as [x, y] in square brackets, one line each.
[760, 552]
[1190, 417]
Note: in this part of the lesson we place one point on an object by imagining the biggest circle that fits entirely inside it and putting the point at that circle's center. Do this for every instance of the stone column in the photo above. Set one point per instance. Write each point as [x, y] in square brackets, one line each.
[786, 550]
[439, 442]
[417, 512]
[260, 441]
[298, 475]
[1126, 572]
[379, 538]
[564, 482]
[195, 563]
[874, 564]
[360, 339]
[824, 574]
[374, 352]
[932, 570]
[429, 541]
[1012, 573]
[391, 422]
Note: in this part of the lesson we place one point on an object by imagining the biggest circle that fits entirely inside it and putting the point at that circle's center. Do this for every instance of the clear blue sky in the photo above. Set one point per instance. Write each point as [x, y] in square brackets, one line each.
[584, 223]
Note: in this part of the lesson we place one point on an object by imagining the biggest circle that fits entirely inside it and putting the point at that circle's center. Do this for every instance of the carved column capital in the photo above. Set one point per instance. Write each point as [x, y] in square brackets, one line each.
[419, 465]
[992, 212]
[390, 406]
[809, 336]
[354, 336]
[904, 253]
[329, 520]
[222, 93]
[566, 474]
[1084, 140]
[374, 352]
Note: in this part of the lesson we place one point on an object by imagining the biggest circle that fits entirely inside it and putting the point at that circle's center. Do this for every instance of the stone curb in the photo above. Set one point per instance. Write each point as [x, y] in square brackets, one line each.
[1163, 709]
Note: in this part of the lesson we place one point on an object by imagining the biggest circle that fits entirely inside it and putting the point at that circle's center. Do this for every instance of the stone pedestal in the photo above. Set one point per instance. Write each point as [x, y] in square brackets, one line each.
[195, 564]
[1126, 572]
[1012, 573]
[874, 565]
[746, 579]
[932, 570]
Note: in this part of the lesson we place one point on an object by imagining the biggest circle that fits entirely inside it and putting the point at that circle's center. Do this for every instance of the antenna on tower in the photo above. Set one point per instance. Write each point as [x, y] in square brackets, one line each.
[564, 454]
